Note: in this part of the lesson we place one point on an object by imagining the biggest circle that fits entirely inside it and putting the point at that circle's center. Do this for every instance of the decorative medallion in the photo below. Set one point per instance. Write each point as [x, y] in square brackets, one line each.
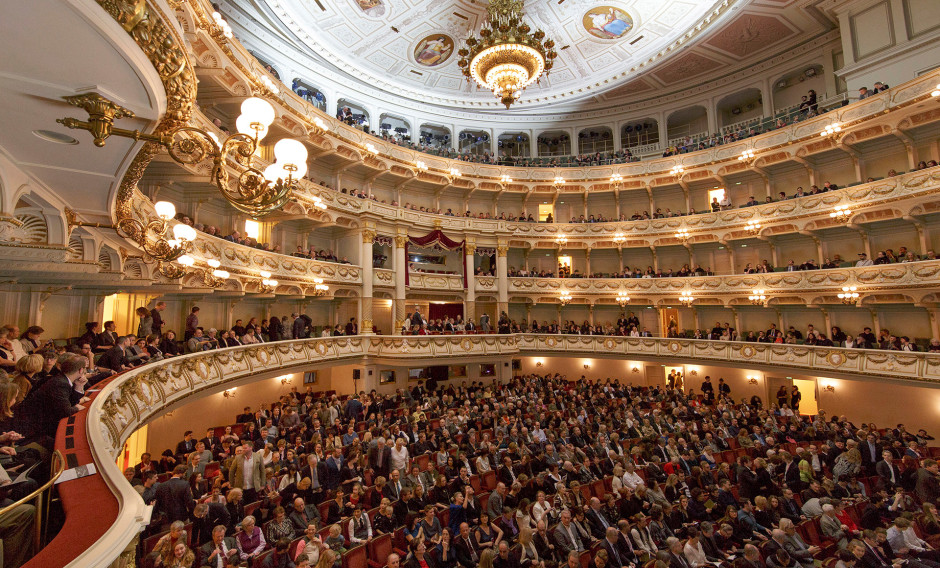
[607, 22]
[372, 8]
[674, 346]
[835, 358]
[747, 351]
[434, 50]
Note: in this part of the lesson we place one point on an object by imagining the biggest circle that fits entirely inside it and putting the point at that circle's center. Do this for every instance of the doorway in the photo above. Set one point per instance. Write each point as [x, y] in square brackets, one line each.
[670, 322]
[809, 404]
[675, 376]
[546, 210]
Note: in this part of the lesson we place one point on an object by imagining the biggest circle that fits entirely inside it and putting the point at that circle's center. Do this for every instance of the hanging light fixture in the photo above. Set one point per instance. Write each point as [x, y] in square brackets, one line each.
[683, 235]
[686, 298]
[677, 172]
[753, 227]
[849, 295]
[267, 284]
[506, 58]
[319, 288]
[616, 181]
[757, 298]
[619, 238]
[623, 299]
[249, 190]
[564, 299]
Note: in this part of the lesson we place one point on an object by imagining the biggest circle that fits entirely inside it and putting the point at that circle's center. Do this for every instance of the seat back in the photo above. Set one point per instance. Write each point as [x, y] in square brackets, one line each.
[379, 548]
[355, 557]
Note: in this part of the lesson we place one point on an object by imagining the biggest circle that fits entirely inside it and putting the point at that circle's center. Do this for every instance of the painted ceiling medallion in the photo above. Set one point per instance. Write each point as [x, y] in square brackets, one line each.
[607, 22]
[434, 50]
[373, 8]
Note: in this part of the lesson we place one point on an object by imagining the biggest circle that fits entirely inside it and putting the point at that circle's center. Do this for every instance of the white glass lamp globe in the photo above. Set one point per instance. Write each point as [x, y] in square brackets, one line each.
[184, 232]
[258, 110]
[165, 209]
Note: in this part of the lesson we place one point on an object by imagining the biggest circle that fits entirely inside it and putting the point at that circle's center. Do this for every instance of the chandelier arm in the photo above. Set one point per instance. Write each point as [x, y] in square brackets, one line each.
[192, 149]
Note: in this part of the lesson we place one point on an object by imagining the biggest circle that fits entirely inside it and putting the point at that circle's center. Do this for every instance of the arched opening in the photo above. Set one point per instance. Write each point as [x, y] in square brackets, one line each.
[473, 142]
[434, 136]
[687, 124]
[595, 139]
[309, 93]
[352, 113]
[641, 132]
[554, 143]
[513, 144]
[391, 126]
[740, 110]
[789, 90]
[268, 66]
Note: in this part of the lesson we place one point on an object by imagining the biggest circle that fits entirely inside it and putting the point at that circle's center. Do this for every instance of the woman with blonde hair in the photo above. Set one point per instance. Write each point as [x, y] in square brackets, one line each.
[528, 554]
[327, 557]
[183, 557]
[26, 369]
[486, 558]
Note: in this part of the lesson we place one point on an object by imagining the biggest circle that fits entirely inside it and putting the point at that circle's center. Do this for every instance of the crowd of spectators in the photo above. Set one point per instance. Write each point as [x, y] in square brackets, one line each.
[539, 472]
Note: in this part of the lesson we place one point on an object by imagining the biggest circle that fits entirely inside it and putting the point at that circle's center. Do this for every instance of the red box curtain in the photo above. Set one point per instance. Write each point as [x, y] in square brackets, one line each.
[437, 237]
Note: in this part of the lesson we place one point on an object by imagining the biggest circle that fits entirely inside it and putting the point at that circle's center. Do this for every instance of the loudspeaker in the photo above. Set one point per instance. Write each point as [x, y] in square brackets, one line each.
[356, 374]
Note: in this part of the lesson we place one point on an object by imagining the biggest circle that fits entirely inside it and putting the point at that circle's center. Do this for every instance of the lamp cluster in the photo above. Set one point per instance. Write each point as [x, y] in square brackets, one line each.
[225, 29]
[841, 213]
[849, 295]
[757, 297]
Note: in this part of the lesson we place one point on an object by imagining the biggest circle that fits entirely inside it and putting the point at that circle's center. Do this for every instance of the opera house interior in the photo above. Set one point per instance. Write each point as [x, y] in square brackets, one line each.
[470, 283]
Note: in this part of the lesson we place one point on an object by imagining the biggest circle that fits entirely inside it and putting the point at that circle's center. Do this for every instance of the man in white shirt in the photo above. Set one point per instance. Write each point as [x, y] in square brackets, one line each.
[630, 477]
[863, 260]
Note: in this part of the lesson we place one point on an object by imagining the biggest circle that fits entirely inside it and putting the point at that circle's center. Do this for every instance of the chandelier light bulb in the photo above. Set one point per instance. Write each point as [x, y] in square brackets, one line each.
[746, 155]
[184, 233]
[186, 260]
[265, 274]
[258, 110]
[223, 274]
[165, 210]
[213, 263]
[290, 152]
[246, 126]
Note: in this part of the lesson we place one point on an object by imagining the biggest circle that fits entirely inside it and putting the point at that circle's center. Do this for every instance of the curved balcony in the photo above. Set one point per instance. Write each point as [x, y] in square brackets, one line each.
[907, 193]
[299, 116]
[916, 280]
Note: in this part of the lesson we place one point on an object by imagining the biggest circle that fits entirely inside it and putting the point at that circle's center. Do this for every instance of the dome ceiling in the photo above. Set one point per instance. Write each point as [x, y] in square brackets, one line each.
[408, 47]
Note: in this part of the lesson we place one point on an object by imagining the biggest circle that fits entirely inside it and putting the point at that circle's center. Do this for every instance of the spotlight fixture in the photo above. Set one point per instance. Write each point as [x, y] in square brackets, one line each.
[841, 213]
[757, 298]
[683, 235]
[250, 190]
[616, 181]
[686, 298]
[506, 58]
[747, 157]
[564, 299]
[623, 299]
[849, 295]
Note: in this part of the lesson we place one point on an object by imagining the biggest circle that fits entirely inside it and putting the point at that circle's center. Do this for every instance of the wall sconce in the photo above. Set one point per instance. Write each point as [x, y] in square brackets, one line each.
[267, 284]
[319, 288]
[229, 393]
[636, 369]
[587, 365]
[216, 277]
[616, 181]
[829, 388]
[683, 235]
[694, 373]
[421, 166]
[538, 363]
[286, 380]
[747, 157]
[752, 380]
[505, 179]
[559, 183]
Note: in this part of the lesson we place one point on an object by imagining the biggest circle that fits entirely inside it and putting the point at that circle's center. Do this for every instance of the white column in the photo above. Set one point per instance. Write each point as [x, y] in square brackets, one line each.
[502, 279]
[401, 266]
[616, 136]
[469, 307]
[365, 320]
[533, 145]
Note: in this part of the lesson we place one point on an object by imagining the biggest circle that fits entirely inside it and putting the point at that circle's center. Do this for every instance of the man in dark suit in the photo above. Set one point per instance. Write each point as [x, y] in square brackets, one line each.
[467, 548]
[676, 556]
[219, 552]
[174, 496]
[157, 325]
[57, 398]
[206, 517]
[791, 472]
[596, 519]
[505, 473]
[379, 458]
[888, 472]
[186, 446]
[927, 482]
[334, 467]
[115, 358]
[611, 543]
[352, 328]
[871, 453]
[211, 441]
[303, 515]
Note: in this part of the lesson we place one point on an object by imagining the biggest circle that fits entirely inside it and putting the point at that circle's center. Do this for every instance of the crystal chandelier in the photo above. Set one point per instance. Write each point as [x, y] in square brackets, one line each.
[506, 58]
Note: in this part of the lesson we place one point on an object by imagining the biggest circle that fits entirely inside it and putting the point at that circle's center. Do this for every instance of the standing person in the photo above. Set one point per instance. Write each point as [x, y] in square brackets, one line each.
[145, 327]
[157, 319]
[795, 398]
[247, 472]
[192, 322]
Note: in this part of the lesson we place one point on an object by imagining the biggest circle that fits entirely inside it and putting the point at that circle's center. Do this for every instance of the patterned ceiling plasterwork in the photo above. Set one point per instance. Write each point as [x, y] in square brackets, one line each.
[556, 110]
[369, 50]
